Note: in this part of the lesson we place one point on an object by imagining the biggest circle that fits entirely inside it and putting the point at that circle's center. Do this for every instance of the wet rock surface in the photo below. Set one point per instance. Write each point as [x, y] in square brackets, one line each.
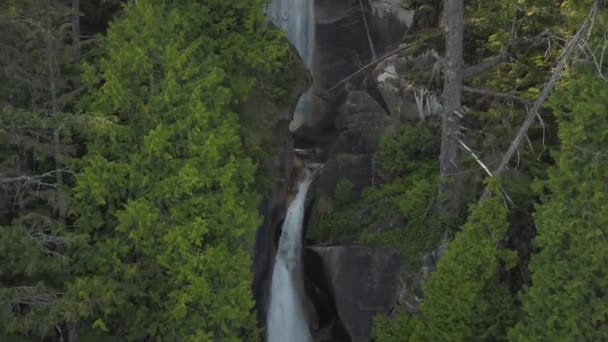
[404, 100]
[362, 281]
[390, 21]
[346, 285]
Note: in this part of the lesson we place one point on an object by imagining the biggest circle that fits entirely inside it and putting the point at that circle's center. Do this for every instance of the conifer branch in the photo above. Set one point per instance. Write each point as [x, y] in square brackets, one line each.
[512, 49]
[493, 93]
[571, 47]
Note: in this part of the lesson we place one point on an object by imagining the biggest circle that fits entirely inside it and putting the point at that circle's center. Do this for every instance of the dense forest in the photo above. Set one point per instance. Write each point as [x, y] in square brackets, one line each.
[137, 149]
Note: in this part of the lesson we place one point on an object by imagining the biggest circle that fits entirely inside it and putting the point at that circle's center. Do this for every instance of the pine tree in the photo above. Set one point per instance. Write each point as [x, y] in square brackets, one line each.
[36, 128]
[567, 298]
[464, 298]
[165, 191]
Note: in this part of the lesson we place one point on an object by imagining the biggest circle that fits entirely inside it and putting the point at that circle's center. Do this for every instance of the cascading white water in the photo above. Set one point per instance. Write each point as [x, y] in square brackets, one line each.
[297, 18]
[286, 321]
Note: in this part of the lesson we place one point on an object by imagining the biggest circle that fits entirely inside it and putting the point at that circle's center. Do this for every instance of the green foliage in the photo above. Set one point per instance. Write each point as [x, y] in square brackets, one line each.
[464, 298]
[36, 142]
[42, 307]
[491, 27]
[401, 153]
[270, 97]
[566, 299]
[397, 328]
[396, 216]
[165, 192]
[344, 192]
[393, 215]
[164, 206]
[336, 224]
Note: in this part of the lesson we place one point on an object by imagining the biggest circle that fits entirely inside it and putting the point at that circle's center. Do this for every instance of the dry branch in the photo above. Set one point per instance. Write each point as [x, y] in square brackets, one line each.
[35, 179]
[571, 47]
[369, 36]
[483, 166]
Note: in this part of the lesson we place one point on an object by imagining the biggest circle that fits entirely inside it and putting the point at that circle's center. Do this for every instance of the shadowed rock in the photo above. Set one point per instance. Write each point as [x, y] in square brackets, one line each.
[362, 281]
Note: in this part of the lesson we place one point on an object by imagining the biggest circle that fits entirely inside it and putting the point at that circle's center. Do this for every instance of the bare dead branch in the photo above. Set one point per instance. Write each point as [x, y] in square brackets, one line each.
[372, 49]
[483, 166]
[34, 179]
[572, 46]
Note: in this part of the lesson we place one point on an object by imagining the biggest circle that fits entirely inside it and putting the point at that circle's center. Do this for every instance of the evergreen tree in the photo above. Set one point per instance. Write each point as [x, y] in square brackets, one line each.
[36, 94]
[567, 298]
[165, 192]
[464, 298]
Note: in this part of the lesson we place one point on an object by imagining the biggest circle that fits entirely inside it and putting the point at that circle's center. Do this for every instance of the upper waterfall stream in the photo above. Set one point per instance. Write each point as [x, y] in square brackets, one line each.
[286, 318]
[297, 18]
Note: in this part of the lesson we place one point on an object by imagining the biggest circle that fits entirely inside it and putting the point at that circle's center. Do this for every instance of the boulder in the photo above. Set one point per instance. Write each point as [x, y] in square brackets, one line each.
[362, 121]
[362, 281]
[340, 44]
[313, 120]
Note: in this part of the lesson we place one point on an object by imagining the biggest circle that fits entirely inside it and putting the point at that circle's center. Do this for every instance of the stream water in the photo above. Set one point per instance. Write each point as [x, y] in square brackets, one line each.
[286, 320]
[297, 18]
[286, 317]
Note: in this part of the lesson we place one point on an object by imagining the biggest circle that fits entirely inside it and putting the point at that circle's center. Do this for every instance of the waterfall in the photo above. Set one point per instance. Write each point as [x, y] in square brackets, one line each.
[286, 319]
[297, 18]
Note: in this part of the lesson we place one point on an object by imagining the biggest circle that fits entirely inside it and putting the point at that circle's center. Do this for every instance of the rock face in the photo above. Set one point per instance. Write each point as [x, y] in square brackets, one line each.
[346, 285]
[361, 121]
[362, 281]
[390, 21]
[362, 115]
[339, 50]
[406, 101]
[274, 209]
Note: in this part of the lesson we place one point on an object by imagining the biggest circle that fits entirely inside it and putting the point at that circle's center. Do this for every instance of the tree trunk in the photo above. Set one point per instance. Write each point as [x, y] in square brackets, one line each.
[73, 332]
[76, 29]
[372, 49]
[52, 70]
[452, 99]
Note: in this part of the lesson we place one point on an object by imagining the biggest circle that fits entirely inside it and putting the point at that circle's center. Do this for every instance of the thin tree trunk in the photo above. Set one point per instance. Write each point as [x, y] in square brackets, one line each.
[369, 36]
[452, 99]
[76, 29]
[51, 68]
[73, 332]
[50, 59]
